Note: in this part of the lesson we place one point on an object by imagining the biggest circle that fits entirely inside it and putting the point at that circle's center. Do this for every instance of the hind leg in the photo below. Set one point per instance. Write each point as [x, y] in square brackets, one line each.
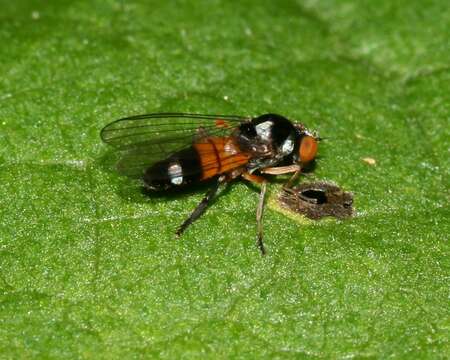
[201, 207]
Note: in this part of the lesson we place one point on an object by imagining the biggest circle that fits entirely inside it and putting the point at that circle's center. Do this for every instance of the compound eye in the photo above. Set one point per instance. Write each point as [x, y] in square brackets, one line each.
[308, 149]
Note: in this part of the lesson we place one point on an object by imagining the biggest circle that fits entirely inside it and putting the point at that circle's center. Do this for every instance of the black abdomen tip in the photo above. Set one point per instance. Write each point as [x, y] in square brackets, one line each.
[180, 169]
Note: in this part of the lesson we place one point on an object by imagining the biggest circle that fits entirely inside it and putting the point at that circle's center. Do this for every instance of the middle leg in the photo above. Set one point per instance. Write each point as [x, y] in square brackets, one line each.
[260, 209]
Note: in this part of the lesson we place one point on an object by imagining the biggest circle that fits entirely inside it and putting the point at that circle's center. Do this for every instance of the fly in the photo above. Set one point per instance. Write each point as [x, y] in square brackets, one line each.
[170, 150]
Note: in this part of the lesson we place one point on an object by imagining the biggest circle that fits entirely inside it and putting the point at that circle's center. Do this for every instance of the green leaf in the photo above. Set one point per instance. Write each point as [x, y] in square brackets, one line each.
[90, 266]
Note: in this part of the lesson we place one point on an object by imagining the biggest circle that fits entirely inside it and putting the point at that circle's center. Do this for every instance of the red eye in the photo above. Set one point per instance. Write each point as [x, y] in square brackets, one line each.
[308, 149]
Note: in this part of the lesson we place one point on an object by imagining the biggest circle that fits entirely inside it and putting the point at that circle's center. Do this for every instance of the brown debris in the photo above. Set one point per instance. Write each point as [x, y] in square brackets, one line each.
[318, 199]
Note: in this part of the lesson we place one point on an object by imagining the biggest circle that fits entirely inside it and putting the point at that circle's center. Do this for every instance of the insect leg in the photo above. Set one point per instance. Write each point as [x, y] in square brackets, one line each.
[259, 215]
[280, 170]
[296, 169]
[260, 208]
[201, 207]
[292, 179]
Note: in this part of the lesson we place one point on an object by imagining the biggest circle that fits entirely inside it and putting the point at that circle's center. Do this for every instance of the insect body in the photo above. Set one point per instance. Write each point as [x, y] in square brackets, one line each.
[170, 150]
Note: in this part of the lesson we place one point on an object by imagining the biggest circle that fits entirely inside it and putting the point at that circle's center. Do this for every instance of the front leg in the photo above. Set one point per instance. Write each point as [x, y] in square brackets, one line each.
[280, 170]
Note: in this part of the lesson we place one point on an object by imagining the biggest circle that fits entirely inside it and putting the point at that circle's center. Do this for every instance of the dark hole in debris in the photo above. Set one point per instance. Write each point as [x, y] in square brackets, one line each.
[319, 196]
[318, 199]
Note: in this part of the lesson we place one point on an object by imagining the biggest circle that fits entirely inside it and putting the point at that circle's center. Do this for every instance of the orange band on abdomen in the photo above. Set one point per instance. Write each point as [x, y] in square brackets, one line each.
[219, 155]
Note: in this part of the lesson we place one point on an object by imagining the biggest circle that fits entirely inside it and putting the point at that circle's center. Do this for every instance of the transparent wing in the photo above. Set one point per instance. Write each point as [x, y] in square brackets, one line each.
[146, 139]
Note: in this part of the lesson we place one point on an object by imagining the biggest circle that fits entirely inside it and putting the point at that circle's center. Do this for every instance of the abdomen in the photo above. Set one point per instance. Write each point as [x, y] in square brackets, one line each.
[203, 160]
